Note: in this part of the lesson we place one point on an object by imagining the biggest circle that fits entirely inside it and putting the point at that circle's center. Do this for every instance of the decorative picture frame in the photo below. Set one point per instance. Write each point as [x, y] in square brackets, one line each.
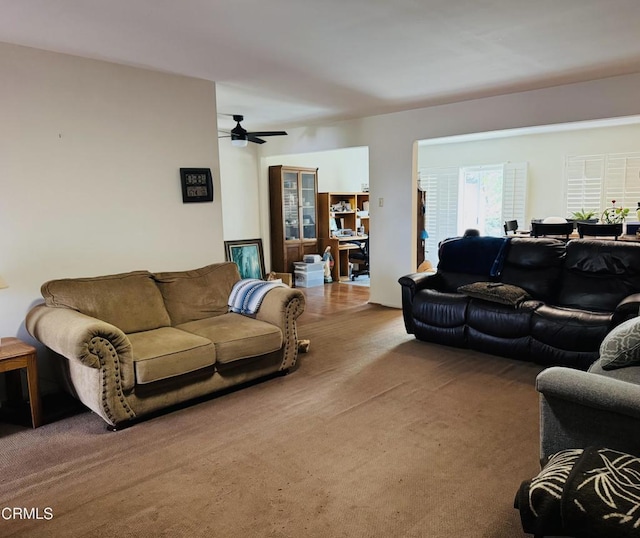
[197, 185]
[248, 255]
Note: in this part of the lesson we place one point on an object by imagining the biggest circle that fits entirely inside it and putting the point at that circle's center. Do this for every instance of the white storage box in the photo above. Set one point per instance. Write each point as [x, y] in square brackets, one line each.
[309, 267]
[308, 279]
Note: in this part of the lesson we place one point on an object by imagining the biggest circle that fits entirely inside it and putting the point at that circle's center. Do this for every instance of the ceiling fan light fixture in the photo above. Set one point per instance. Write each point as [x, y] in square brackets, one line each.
[239, 137]
[239, 142]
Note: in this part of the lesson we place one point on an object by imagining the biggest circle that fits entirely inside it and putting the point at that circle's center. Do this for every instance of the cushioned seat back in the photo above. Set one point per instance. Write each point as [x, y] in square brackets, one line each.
[598, 274]
[130, 301]
[463, 260]
[535, 265]
[199, 293]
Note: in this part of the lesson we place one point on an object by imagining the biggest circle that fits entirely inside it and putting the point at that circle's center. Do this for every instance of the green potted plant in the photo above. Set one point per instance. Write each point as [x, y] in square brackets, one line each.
[583, 216]
[613, 214]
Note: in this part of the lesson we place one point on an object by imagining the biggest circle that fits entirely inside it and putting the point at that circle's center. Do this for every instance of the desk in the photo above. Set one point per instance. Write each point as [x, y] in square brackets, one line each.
[340, 247]
[14, 355]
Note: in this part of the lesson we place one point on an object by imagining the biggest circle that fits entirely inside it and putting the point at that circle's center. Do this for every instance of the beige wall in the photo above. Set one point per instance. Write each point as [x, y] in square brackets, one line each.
[340, 170]
[240, 192]
[90, 154]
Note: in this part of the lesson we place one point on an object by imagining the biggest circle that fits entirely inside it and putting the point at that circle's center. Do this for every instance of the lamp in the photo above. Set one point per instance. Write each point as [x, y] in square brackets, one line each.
[239, 137]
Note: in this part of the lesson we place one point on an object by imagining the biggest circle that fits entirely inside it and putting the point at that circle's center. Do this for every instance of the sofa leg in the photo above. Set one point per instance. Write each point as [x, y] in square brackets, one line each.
[120, 426]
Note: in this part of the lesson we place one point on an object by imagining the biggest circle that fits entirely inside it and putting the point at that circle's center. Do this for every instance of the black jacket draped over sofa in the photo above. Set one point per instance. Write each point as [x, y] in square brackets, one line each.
[563, 298]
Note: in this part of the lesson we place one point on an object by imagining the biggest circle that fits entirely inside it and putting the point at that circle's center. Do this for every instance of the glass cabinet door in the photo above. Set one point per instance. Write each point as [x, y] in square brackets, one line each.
[291, 206]
[308, 206]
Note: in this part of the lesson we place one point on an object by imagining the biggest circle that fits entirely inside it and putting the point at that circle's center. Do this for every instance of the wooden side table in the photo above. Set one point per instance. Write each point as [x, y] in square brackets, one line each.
[14, 355]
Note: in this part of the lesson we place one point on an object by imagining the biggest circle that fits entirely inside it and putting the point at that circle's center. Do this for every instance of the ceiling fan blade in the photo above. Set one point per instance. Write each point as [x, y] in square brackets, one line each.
[255, 139]
[267, 133]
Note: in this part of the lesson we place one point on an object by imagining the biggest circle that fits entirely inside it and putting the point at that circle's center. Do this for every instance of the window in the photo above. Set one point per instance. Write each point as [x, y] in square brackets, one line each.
[593, 181]
[464, 197]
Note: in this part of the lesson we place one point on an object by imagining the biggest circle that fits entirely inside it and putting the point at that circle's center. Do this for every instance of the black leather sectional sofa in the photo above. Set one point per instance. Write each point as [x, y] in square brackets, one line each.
[570, 296]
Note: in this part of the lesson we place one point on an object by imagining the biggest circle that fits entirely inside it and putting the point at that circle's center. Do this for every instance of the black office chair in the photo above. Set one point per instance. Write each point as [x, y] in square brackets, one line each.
[599, 230]
[510, 226]
[542, 229]
[360, 257]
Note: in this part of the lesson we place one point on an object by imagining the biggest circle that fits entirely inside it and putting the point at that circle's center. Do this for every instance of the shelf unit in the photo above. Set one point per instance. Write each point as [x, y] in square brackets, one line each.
[350, 211]
[353, 214]
[293, 214]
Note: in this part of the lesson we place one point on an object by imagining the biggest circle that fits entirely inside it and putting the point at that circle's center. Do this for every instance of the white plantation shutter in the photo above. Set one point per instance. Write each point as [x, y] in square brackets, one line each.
[441, 211]
[593, 181]
[584, 181]
[622, 181]
[514, 192]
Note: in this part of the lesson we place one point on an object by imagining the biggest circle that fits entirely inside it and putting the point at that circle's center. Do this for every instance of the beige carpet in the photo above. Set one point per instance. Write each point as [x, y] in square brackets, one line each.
[374, 435]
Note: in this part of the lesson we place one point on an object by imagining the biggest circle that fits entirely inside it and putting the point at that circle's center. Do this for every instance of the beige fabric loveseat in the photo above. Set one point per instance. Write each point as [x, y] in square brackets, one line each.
[134, 343]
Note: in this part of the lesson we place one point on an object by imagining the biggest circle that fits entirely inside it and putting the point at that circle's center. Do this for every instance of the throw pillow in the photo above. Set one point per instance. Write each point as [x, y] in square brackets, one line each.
[590, 492]
[621, 347]
[197, 293]
[496, 292]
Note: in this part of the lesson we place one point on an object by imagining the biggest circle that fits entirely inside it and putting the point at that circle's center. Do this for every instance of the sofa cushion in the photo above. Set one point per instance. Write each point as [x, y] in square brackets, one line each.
[474, 255]
[236, 337]
[199, 293]
[621, 347]
[495, 292]
[535, 265]
[630, 374]
[130, 301]
[439, 308]
[570, 329]
[169, 352]
[598, 274]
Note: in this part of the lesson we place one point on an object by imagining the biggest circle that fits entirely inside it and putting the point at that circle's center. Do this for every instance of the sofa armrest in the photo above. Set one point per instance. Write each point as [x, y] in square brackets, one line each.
[281, 307]
[412, 284]
[579, 409]
[417, 281]
[100, 362]
[626, 309]
[69, 333]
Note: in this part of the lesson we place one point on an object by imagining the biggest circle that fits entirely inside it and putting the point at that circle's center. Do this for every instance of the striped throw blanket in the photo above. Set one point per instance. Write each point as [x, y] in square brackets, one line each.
[247, 294]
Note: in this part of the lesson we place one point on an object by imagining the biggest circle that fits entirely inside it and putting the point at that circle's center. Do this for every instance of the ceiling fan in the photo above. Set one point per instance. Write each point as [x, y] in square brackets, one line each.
[240, 137]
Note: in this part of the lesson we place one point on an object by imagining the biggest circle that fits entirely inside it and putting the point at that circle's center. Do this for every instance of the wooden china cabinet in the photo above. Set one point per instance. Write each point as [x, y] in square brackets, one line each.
[293, 202]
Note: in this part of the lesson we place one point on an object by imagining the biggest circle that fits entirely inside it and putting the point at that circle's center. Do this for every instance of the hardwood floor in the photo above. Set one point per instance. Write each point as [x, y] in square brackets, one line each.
[331, 299]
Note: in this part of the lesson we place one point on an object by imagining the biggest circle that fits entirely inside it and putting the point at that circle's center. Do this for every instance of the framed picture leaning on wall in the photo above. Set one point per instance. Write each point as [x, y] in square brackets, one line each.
[247, 254]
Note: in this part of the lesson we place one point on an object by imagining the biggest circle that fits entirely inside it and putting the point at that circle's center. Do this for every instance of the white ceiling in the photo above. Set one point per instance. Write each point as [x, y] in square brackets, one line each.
[284, 63]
